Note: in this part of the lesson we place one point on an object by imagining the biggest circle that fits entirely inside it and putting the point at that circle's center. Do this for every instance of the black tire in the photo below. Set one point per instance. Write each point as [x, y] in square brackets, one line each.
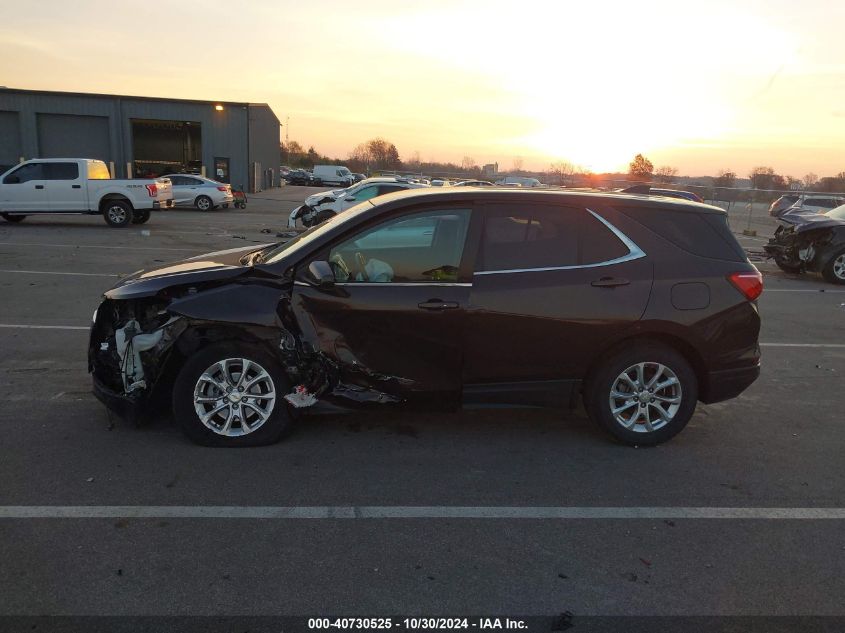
[830, 268]
[204, 203]
[14, 219]
[117, 213]
[598, 391]
[141, 216]
[788, 268]
[272, 430]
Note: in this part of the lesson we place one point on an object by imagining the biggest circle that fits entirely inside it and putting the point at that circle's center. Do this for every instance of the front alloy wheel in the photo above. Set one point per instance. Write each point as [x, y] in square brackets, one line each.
[232, 394]
[234, 397]
[834, 271]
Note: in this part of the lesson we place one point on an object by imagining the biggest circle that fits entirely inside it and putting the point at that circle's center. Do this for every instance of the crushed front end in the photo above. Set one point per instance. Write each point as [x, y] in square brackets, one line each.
[127, 350]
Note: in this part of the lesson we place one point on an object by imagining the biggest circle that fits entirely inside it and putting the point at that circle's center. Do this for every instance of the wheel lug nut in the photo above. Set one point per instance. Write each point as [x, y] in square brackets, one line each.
[240, 388]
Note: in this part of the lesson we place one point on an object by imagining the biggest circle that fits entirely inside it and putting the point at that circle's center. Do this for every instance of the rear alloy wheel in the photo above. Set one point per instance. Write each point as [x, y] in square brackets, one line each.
[14, 219]
[117, 213]
[834, 271]
[204, 203]
[232, 395]
[140, 217]
[643, 395]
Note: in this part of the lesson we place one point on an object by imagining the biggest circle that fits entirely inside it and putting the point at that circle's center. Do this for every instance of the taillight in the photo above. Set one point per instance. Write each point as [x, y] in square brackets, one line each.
[750, 284]
[224, 189]
[152, 190]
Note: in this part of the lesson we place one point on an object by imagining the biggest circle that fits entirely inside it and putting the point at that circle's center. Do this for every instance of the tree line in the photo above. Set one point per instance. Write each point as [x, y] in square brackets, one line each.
[379, 154]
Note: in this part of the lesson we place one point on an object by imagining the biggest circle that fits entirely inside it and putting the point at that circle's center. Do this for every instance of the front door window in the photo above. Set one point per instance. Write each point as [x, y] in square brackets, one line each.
[418, 248]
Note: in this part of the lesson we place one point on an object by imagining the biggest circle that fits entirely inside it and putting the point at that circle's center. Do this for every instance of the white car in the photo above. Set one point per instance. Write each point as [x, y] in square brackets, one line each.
[519, 181]
[333, 174]
[812, 204]
[322, 206]
[196, 191]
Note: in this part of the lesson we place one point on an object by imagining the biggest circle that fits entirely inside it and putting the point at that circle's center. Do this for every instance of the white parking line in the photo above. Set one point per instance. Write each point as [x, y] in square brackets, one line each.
[816, 290]
[414, 512]
[116, 248]
[52, 272]
[819, 345]
[44, 327]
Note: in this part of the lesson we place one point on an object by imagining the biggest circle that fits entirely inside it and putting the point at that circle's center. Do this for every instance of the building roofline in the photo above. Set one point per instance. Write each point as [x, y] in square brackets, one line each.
[100, 95]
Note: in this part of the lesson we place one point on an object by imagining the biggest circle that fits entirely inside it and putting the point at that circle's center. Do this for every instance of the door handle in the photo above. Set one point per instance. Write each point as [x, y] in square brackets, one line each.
[39, 186]
[437, 304]
[76, 186]
[610, 282]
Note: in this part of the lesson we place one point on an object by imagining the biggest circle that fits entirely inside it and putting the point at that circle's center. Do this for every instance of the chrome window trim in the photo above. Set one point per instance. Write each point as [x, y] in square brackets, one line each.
[634, 252]
[391, 283]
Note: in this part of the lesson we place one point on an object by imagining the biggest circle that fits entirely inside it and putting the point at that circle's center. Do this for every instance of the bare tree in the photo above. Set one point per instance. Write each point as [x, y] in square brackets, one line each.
[563, 170]
[763, 177]
[666, 174]
[810, 180]
[725, 178]
[517, 164]
[640, 168]
[468, 164]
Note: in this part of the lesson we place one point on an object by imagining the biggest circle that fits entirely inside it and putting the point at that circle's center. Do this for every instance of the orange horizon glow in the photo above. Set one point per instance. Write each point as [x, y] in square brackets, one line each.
[729, 85]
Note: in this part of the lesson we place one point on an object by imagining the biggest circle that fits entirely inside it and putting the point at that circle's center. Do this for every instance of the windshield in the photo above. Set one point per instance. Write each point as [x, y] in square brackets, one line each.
[302, 240]
[838, 213]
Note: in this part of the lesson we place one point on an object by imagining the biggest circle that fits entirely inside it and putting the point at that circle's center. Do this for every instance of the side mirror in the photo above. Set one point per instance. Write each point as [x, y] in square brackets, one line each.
[320, 274]
[350, 198]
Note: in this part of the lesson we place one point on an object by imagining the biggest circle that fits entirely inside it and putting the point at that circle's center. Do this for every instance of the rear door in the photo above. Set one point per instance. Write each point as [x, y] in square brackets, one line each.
[394, 321]
[65, 186]
[553, 286]
[25, 189]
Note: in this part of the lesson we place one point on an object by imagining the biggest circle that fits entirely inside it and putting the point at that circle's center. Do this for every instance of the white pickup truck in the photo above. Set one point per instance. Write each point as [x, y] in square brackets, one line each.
[79, 185]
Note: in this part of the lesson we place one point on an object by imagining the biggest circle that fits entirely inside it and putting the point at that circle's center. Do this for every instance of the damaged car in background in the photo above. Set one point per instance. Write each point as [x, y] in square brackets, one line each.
[321, 206]
[812, 242]
[440, 297]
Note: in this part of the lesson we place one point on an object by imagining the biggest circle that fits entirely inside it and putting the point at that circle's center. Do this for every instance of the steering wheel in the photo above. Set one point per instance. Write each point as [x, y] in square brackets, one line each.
[362, 265]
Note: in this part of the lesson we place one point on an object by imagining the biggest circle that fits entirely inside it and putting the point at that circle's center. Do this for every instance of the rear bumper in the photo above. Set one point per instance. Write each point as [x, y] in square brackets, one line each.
[162, 204]
[728, 383]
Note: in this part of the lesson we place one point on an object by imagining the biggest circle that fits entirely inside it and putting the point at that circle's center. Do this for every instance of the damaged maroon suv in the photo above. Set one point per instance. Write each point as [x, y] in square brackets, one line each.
[638, 305]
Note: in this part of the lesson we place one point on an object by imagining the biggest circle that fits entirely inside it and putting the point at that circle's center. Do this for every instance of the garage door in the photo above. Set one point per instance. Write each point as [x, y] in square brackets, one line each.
[10, 140]
[73, 136]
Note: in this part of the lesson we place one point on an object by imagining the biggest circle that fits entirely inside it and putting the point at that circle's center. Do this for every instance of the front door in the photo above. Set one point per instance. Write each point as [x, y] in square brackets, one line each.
[25, 189]
[394, 321]
[221, 170]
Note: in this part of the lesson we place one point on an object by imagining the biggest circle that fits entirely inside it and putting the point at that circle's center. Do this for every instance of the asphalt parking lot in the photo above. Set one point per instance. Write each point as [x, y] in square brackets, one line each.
[485, 511]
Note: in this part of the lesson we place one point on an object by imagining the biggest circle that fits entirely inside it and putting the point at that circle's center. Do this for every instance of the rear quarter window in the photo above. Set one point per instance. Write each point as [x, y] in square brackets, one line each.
[98, 171]
[703, 234]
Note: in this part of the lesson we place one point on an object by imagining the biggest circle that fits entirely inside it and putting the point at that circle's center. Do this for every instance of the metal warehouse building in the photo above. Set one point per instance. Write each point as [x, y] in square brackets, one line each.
[236, 143]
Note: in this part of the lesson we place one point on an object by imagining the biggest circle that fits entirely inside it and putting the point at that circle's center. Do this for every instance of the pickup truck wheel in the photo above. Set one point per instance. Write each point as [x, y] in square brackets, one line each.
[139, 217]
[14, 219]
[204, 203]
[117, 213]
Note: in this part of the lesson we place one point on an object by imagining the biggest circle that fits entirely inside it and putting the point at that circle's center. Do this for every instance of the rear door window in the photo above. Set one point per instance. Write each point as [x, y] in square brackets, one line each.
[528, 236]
[61, 171]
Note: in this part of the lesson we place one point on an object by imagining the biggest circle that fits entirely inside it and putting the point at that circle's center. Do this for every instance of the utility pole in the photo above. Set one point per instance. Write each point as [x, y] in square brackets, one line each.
[287, 130]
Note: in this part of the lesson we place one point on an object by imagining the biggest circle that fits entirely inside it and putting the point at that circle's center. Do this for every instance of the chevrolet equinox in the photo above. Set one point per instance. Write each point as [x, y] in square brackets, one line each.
[641, 306]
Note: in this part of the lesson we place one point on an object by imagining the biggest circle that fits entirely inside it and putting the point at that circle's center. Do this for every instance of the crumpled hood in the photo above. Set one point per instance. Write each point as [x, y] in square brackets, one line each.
[808, 221]
[324, 195]
[202, 268]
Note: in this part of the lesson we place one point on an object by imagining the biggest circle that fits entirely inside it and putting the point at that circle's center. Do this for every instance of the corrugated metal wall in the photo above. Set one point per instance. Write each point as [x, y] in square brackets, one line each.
[264, 138]
[225, 134]
[10, 139]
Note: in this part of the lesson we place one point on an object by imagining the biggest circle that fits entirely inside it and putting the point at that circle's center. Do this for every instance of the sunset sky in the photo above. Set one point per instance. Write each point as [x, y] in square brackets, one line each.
[701, 86]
